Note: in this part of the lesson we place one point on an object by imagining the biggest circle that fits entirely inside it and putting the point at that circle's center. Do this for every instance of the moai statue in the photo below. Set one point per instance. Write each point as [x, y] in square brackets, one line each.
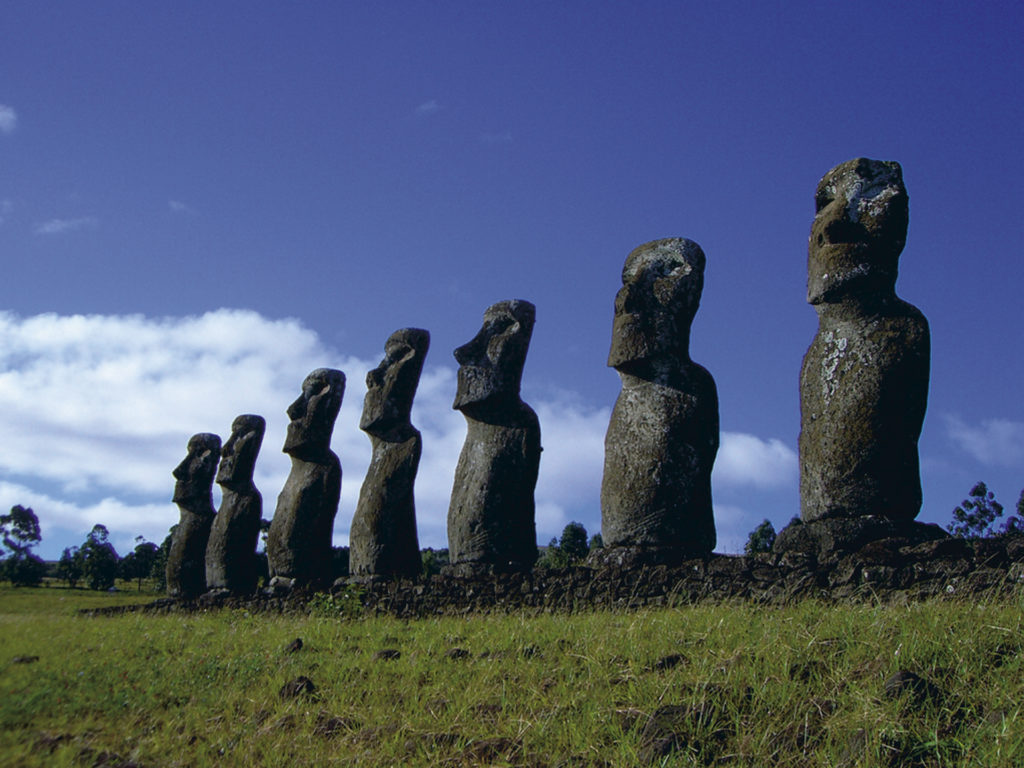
[864, 381]
[193, 493]
[491, 516]
[382, 540]
[231, 552]
[299, 540]
[663, 435]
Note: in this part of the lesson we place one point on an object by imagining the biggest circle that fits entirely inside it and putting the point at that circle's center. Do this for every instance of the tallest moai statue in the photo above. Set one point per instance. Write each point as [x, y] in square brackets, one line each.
[864, 381]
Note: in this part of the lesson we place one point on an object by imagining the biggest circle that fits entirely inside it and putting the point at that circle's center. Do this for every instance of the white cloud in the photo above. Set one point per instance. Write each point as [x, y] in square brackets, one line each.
[746, 460]
[995, 442]
[96, 412]
[58, 226]
[176, 206]
[8, 119]
[732, 526]
[428, 108]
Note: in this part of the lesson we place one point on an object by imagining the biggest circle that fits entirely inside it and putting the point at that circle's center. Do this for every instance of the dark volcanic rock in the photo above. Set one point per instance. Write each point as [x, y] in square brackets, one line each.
[491, 515]
[864, 380]
[382, 538]
[829, 539]
[299, 540]
[231, 551]
[300, 686]
[906, 682]
[193, 493]
[663, 435]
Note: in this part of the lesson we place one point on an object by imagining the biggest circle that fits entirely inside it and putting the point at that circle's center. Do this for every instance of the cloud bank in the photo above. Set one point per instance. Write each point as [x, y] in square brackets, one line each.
[97, 410]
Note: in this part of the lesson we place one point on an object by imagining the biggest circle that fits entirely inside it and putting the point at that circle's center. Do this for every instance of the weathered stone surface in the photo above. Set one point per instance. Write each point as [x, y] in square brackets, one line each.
[831, 538]
[231, 551]
[663, 435]
[193, 493]
[491, 516]
[299, 540]
[927, 571]
[382, 539]
[864, 381]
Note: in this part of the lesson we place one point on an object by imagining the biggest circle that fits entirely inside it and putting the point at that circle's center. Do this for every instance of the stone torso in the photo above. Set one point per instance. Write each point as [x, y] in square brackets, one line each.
[491, 516]
[186, 560]
[659, 450]
[299, 540]
[383, 535]
[863, 393]
[231, 551]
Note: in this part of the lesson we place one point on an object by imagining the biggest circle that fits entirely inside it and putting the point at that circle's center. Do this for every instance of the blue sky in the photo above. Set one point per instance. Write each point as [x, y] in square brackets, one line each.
[201, 202]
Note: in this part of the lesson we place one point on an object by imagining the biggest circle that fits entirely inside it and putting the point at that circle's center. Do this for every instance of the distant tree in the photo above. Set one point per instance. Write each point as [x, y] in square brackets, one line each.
[69, 567]
[158, 571]
[571, 548]
[974, 517]
[433, 561]
[19, 532]
[573, 543]
[596, 542]
[761, 538]
[138, 564]
[1015, 523]
[25, 571]
[99, 559]
[552, 556]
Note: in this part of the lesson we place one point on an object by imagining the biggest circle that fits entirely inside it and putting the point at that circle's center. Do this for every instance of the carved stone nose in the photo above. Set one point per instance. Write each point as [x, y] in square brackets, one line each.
[470, 353]
[297, 409]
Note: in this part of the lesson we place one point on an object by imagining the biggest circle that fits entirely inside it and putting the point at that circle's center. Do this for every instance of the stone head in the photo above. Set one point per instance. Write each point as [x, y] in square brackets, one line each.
[238, 456]
[491, 365]
[662, 283]
[859, 230]
[391, 386]
[313, 413]
[194, 474]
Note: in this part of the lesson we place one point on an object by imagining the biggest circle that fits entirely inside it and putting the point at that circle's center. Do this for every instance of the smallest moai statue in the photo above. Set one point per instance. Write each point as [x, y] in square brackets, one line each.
[491, 523]
[663, 435]
[231, 552]
[382, 540]
[193, 493]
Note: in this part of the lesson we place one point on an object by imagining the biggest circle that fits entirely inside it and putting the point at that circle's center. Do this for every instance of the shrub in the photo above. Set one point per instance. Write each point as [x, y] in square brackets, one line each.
[761, 538]
[974, 517]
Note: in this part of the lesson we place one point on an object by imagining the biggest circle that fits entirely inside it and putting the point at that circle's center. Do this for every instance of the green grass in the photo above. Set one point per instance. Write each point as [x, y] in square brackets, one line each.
[752, 686]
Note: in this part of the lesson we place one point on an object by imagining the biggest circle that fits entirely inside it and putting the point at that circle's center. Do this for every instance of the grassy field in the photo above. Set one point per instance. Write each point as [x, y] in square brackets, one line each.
[724, 685]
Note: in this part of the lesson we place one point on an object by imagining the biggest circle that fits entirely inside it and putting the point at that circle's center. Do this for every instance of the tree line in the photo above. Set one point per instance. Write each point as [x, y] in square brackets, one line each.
[95, 563]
